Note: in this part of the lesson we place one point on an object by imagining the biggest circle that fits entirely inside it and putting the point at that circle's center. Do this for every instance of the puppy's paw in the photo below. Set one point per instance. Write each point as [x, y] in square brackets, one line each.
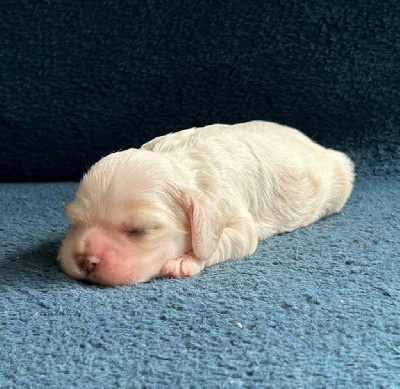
[186, 265]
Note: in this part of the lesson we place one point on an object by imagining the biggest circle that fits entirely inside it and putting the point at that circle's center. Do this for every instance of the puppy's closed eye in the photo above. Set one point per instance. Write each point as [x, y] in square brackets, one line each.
[136, 232]
[140, 231]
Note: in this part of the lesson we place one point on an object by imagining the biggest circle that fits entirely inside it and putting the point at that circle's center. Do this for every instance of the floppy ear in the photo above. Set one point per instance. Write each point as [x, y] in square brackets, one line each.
[206, 226]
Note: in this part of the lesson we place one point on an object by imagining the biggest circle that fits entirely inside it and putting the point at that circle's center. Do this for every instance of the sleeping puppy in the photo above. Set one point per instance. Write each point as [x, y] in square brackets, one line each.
[198, 197]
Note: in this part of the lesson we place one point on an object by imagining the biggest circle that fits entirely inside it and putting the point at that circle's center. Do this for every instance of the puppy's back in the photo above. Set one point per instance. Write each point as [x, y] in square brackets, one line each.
[278, 173]
[264, 134]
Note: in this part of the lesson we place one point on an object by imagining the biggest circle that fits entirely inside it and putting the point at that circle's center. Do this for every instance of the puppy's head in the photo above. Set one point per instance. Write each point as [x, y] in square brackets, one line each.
[132, 212]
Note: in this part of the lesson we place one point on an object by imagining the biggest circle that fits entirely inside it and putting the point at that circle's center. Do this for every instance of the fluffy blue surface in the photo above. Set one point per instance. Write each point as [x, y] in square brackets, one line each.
[319, 307]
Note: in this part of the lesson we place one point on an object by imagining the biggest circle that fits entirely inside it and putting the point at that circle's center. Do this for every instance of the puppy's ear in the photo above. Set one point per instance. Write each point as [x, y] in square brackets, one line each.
[206, 225]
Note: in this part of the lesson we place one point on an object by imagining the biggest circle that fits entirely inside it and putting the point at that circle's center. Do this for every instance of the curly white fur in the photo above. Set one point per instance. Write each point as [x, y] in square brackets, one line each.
[198, 197]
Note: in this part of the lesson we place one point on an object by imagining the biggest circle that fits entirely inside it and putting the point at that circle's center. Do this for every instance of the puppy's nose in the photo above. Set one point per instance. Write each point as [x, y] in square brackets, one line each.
[87, 263]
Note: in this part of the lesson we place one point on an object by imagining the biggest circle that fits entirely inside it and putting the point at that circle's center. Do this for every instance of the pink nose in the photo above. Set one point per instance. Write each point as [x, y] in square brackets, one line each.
[87, 262]
[98, 251]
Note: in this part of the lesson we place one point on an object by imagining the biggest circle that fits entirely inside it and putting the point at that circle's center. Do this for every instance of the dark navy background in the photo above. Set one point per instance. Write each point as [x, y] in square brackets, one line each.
[79, 79]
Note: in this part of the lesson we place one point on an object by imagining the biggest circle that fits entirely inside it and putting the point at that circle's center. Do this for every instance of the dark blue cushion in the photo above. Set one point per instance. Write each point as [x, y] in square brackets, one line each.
[79, 79]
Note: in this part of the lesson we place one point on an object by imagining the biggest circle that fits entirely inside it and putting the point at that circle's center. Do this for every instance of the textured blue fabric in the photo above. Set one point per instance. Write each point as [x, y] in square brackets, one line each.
[82, 78]
[319, 307]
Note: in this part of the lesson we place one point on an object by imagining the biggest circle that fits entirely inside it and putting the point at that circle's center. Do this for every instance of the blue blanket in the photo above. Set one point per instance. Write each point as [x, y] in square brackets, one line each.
[318, 307]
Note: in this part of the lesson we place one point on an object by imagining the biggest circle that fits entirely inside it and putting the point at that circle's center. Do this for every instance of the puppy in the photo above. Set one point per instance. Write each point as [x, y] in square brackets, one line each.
[198, 197]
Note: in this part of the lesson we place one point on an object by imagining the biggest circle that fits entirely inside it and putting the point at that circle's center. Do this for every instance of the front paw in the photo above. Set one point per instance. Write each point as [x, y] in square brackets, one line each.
[184, 266]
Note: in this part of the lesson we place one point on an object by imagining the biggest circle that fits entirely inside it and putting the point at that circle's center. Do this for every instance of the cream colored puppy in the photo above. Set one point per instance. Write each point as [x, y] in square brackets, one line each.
[198, 197]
